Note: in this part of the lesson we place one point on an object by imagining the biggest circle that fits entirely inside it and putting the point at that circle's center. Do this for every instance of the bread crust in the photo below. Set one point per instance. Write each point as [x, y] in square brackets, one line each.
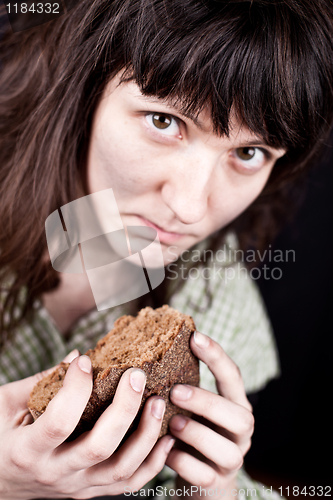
[177, 366]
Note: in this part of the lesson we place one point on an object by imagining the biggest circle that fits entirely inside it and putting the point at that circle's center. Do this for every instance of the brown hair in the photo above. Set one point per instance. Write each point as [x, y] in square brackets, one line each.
[270, 61]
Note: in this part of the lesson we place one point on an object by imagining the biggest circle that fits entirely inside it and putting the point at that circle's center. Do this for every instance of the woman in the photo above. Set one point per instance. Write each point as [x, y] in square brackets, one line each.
[200, 115]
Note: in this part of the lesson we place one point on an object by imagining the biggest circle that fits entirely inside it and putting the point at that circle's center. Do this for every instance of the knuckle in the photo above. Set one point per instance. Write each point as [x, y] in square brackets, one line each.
[46, 477]
[130, 406]
[240, 462]
[150, 433]
[58, 430]
[209, 479]
[180, 464]
[19, 459]
[68, 489]
[247, 423]
[120, 474]
[97, 454]
[157, 466]
[235, 461]
[150, 437]
[125, 415]
[211, 401]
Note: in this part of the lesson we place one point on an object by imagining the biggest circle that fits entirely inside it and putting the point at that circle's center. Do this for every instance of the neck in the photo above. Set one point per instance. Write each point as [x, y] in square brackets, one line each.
[69, 301]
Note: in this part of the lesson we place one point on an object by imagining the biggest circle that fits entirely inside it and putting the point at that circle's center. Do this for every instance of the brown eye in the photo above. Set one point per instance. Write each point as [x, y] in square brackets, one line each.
[246, 154]
[161, 121]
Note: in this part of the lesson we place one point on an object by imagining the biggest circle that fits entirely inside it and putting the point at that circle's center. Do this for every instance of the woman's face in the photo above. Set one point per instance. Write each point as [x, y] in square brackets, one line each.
[172, 172]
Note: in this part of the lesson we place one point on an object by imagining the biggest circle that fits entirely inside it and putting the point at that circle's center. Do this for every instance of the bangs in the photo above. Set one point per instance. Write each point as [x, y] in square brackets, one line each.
[259, 60]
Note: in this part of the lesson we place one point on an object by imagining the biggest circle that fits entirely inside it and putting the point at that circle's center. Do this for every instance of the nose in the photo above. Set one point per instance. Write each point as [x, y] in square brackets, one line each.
[187, 189]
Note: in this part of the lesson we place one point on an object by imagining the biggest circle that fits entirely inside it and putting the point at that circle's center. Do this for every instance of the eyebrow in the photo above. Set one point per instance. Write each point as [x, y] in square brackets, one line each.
[155, 100]
[186, 114]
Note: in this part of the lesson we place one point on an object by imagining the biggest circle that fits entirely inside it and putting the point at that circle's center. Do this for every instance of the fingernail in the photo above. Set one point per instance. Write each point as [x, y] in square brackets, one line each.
[158, 408]
[71, 356]
[137, 380]
[84, 363]
[200, 339]
[182, 392]
[169, 445]
[178, 422]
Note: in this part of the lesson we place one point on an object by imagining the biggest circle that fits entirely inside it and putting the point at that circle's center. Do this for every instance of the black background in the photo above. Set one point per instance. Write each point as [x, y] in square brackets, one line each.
[293, 436]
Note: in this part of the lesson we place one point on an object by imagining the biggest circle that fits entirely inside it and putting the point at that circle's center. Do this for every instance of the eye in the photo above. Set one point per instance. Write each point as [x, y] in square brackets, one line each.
[251, 157]
[163, 123]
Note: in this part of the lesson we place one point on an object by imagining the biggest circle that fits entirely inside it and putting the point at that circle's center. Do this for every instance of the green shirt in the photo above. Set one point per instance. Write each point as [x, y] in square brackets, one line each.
[235, 318]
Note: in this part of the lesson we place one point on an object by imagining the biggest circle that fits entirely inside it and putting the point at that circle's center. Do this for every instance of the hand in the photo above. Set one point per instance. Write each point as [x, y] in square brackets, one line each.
[36, 461]
[223, 436]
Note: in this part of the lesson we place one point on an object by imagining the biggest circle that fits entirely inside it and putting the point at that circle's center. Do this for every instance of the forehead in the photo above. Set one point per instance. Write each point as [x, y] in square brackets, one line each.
[239, 133]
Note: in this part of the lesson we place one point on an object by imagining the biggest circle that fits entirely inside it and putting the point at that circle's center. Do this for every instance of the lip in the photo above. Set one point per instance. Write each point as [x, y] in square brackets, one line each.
[164, 236]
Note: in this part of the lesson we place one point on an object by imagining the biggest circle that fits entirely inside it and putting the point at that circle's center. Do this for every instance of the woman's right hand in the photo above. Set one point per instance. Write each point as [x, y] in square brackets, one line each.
[37, 462]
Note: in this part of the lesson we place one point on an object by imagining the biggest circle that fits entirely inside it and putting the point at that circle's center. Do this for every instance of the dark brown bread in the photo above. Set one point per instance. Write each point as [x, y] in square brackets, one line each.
[157, 341]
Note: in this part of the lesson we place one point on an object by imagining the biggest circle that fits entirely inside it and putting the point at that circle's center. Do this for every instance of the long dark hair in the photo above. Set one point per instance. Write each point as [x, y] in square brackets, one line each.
[269, 61]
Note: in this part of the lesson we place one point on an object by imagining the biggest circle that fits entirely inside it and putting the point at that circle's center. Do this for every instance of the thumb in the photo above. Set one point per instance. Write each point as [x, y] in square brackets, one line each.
[18, 393]
[72, 355]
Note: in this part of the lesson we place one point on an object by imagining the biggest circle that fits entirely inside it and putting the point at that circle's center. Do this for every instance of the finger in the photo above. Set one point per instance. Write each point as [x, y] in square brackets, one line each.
[15, 397]
[220, 450]
[64, 411]
[135, 449]
[17, 393]
[153, 464]
[222, 412]
[191, 469]
[71, 356]
[99, 444]
[229, 380]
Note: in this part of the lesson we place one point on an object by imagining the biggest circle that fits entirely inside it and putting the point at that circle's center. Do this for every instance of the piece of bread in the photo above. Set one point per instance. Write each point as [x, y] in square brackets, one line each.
[157, 341]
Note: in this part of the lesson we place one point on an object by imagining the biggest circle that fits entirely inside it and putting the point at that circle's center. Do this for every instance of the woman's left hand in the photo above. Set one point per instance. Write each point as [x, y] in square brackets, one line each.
[222, 437]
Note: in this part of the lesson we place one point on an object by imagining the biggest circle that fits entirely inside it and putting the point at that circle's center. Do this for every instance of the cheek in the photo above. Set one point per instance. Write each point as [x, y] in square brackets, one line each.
[117, 162]
[236, 196]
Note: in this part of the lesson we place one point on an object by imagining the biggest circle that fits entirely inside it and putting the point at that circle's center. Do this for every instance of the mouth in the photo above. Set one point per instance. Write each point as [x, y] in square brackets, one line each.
[166, 237]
